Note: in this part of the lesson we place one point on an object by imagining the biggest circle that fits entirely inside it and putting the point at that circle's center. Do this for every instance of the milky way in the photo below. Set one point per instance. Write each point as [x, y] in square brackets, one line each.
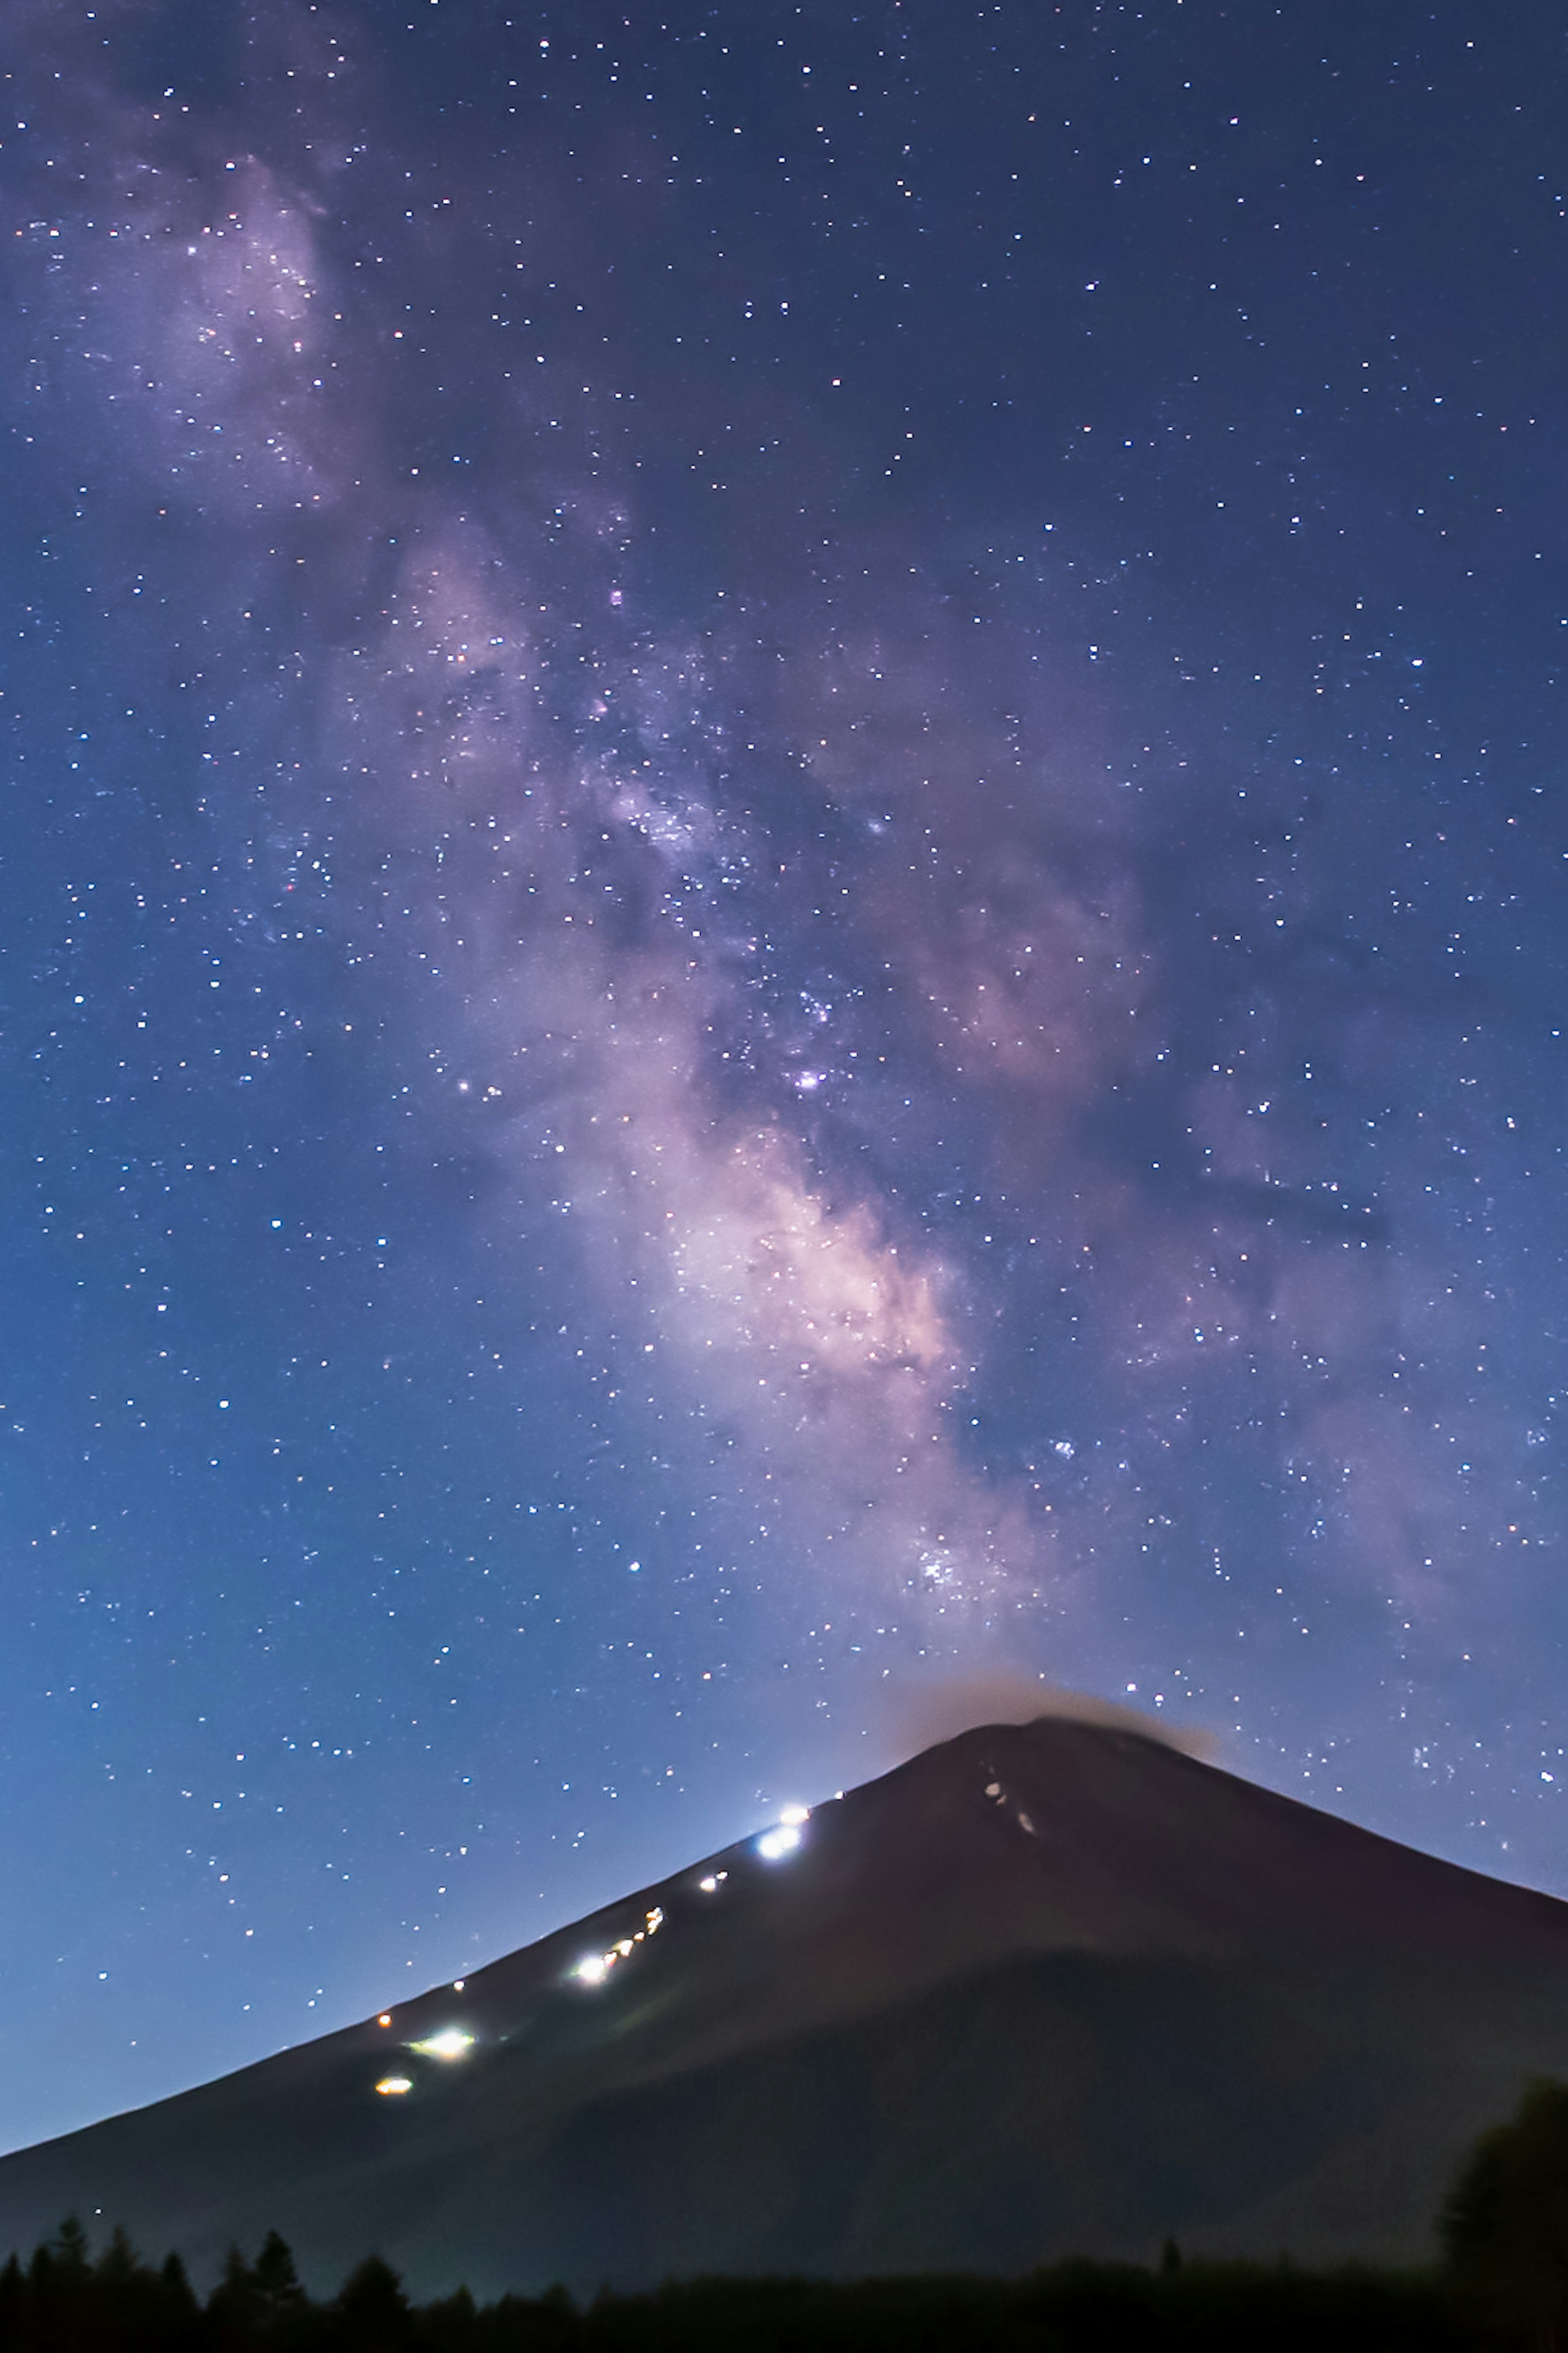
[781, 920]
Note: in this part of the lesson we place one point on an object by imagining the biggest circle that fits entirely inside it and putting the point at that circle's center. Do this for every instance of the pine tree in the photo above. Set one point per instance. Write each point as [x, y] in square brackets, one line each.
[70, 2249]
[1504, 2228]
[177, 2282]
[372, 2311]
[232, 2305]
[118, 2261]
[276, 2283]
[175, 2313]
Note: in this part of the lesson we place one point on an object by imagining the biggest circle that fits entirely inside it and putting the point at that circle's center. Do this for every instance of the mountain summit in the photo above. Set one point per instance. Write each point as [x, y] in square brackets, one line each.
[1046, 1988]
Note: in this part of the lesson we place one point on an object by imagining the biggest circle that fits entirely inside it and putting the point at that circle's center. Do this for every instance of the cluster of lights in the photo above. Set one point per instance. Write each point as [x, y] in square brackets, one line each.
[786, 1835]
[998, 1796]
[451, 2043]
[595, 1967]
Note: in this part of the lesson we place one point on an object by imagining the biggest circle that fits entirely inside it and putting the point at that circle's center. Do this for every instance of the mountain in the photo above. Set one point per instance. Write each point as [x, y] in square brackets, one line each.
[1046, 1988]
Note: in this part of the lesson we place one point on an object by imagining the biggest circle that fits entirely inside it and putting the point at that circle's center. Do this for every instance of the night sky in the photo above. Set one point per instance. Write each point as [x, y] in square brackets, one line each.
[781, 915]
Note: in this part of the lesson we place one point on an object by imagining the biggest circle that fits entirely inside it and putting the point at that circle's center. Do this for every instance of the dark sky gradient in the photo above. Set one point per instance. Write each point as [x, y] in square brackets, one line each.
[782, 912]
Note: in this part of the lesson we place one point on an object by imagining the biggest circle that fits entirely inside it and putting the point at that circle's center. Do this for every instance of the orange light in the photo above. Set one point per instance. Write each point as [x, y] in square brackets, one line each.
[385, 2019]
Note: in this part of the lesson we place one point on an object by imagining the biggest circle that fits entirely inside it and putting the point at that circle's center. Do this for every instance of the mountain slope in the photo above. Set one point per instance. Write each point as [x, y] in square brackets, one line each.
[1045, 1988]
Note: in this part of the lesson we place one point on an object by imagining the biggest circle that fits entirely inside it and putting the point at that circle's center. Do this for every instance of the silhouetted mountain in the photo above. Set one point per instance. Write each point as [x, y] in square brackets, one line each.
[1045, 1990]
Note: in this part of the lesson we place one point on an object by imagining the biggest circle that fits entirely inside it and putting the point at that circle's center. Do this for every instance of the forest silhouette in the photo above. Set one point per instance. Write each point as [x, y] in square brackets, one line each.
[1500, 2281]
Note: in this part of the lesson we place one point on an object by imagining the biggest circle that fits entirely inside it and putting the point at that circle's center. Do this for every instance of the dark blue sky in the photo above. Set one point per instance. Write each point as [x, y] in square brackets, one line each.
[781, 915]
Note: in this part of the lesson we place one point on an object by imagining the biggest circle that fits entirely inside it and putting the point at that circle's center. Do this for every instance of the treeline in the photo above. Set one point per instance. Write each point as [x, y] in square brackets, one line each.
[1500, 2286]
[66, 2299]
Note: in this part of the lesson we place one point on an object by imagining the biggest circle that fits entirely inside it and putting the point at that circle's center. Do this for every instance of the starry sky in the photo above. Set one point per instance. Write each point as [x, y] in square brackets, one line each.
[781, 915]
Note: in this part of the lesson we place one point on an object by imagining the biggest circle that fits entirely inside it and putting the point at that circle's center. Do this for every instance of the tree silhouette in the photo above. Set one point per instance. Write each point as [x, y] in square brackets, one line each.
[67, 2251]
[233, 2303]
[373, 2312]
[176, 2283]
[275, 2283]
[13, 2292]
[119, 2262]
[1504, 2228]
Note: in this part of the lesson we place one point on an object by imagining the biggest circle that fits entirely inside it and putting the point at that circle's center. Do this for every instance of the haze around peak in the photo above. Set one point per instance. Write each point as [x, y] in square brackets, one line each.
[919, 1714]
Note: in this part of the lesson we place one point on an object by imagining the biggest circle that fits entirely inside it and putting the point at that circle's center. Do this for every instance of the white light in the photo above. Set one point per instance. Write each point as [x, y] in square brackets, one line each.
[795, 1814]
[450, 2044]
[709, 1887]
[775, 1845]
[394, 2085]
[592, 1969]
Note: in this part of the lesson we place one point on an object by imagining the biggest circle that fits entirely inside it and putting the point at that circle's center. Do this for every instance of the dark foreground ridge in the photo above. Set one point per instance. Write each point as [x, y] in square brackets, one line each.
[1045, 1990]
